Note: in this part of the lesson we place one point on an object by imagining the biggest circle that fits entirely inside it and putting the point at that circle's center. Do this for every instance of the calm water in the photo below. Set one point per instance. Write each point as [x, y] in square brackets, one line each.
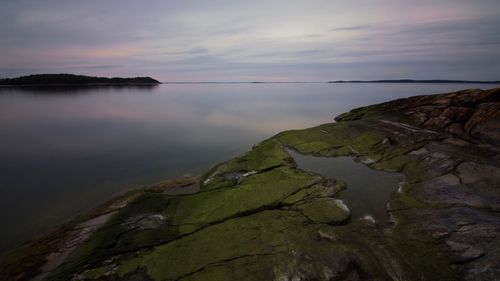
[64, 150]
[368, 190]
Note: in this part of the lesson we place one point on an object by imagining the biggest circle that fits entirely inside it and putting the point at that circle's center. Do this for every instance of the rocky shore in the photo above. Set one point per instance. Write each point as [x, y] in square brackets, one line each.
[259, 217]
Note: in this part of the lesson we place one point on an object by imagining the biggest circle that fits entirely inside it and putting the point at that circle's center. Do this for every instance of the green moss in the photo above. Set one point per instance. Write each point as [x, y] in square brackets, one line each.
[315, 139]
[323, 189]
[415, 171]
[259, 234]
[336, 152]
[423, 254]
[333, 139]
[216, 181]
[402, 201]
[253, 193]
[270, 245]
[97, 272]
[264, 156]
[367, 112]
[397, 257]
[232, 270]
[132, 264]
[312, 147]
[394, 164]
[325, 210]
[115, 237]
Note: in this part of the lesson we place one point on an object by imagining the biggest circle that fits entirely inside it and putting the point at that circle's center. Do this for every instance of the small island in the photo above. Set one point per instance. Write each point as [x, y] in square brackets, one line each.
[72, 79]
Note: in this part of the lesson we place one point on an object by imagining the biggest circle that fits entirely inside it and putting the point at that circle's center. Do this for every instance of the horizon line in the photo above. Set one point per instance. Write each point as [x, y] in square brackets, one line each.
[393, 81]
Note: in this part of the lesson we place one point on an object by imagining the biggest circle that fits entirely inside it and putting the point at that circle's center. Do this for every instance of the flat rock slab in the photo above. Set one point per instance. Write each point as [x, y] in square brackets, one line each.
[325, 210]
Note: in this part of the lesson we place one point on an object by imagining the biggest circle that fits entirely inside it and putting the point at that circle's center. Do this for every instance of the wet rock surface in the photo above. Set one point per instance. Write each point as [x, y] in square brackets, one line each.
[259, 217]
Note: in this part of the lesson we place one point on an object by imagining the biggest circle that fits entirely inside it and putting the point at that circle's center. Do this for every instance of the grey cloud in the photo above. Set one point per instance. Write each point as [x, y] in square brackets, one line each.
[350, 28]
[198, 51]
[310, 52]
[482, 30]
[223, 39]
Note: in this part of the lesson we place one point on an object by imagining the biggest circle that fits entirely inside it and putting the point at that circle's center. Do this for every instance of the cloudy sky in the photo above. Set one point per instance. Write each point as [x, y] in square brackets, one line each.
[234, 40]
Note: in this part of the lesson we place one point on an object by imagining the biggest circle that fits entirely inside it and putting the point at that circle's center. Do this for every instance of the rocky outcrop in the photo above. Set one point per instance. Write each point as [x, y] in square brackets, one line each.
[259, 217]
[468, 114]
[35, 260]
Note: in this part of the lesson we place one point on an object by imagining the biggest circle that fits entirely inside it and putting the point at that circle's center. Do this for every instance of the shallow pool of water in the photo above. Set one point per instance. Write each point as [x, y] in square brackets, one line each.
[368, 190]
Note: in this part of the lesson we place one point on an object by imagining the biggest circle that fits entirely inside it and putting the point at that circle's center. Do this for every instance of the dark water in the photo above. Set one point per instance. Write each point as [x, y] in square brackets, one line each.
[368, 190]
[64, 150]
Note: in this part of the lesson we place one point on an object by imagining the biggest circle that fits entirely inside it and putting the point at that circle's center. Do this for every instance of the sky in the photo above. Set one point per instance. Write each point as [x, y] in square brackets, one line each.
[231, 40]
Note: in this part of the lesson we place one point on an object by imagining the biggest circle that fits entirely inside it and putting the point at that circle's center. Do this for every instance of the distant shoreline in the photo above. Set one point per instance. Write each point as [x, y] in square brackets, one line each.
[77, 84]
[75, 80]
[416, 81]
[400, 81]
[82, 80]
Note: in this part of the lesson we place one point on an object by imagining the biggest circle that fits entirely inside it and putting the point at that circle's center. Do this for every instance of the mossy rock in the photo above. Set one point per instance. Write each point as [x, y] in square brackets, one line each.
[325, 210]
[257, 192]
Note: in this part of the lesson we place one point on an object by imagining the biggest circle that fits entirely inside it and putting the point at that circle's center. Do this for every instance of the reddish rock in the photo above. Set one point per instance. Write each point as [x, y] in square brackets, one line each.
[456, 129]
[437, 122]
[492, 95]
[458, 114]
[465, 98]
[426, 108]
[436, 112]
[419, 117]
[442, 101]
[485, 123]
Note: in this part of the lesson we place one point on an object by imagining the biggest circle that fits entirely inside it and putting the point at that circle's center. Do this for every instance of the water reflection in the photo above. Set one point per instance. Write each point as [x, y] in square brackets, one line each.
[368, 190]
[64, 150]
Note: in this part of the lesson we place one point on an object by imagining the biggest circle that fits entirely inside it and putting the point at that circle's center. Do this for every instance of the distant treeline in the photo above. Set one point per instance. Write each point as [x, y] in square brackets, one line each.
[416, 81]
[71, 79]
